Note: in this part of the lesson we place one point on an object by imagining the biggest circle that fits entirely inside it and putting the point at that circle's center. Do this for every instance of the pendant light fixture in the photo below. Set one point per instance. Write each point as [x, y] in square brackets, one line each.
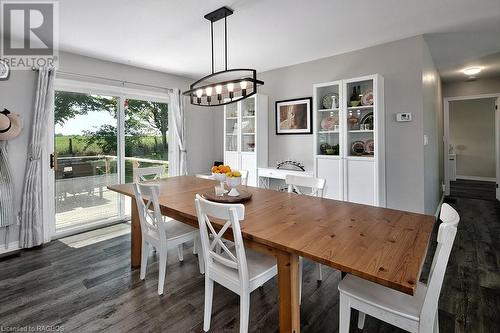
[227, 86]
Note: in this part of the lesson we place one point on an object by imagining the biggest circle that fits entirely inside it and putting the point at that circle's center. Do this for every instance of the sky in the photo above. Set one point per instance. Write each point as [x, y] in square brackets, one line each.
[80, 123]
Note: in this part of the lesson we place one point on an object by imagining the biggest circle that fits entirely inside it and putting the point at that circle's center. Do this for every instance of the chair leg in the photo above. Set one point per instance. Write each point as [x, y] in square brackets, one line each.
[301, 265]
[162, 270]
[209, 293]
[361, 319]
[345, 314]
[180, 252]
[195, 246]
[244, 311]
[201, 261]
[144, 259]
[319, 271]
[436, 322]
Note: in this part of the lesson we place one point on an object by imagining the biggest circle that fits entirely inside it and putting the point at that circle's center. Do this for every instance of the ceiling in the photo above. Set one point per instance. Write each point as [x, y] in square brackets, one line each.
[172, 36]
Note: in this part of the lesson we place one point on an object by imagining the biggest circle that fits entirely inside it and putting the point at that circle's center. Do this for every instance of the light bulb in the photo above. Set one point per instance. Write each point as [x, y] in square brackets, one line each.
[218, 89]
[208, 91]
[199, 93]
[243, 85]
[230, 87]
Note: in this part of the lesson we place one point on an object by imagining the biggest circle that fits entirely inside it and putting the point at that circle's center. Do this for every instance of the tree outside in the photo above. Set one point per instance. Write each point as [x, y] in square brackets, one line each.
[146, 128]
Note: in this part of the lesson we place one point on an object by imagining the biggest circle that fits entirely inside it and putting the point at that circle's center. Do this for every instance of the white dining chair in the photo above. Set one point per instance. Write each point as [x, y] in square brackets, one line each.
[418, 313]
[139, 174]
[244, 177]
[159, 233]
[315, 186]
[238, 269]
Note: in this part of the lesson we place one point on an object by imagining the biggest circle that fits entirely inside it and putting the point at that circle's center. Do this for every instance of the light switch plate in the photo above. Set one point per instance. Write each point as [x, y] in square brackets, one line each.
[402, 117]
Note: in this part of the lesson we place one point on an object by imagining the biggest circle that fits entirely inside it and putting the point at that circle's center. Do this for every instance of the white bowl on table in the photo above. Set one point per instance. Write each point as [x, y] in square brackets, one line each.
[233, 182]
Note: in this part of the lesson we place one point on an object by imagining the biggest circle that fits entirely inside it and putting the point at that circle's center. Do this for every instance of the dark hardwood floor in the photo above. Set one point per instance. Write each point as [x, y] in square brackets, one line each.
[473, 189]
[87, 286]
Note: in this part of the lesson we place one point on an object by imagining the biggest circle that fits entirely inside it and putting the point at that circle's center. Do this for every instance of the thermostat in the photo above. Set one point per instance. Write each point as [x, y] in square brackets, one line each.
[403, 117]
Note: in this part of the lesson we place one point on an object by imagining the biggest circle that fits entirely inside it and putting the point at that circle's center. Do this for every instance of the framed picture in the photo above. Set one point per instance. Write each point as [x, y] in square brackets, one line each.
[294, 116]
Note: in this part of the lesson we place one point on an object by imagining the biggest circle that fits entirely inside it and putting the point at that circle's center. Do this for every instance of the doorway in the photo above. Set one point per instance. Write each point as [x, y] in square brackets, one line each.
[100, 134]
[472, 146]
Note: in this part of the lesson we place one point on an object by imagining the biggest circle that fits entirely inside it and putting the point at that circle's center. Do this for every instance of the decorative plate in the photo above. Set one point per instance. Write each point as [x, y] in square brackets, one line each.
[327, 123]
[244, 196]
[358, 148]
[327, 101]
[370, 147]
[367, 98]
[367, 119]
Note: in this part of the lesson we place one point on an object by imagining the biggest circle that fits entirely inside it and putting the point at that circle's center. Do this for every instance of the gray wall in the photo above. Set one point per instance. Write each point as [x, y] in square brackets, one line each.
[17, 94]
[469, 88]
[433, 129]
[472, 133]
[400, 63]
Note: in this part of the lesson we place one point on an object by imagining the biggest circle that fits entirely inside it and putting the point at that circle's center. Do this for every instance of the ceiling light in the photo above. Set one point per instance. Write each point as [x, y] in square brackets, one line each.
[230, 85]
[472, 71]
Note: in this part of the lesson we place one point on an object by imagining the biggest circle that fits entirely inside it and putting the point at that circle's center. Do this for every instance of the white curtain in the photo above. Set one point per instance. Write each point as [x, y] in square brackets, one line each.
[177, 109]
[31, 225]
[6, 192]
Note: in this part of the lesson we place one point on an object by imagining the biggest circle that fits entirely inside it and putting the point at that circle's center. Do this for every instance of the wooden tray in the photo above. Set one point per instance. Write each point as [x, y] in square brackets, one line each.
[244, 196]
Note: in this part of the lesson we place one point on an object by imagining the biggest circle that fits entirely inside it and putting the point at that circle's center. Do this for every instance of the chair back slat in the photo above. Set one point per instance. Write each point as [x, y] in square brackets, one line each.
[446, 236]
[296, 183]
[211, 240]
[244, 177]
[140, 174]
[149, 212]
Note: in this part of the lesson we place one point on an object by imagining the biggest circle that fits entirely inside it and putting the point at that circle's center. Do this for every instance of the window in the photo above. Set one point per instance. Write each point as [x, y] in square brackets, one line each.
[100, 133]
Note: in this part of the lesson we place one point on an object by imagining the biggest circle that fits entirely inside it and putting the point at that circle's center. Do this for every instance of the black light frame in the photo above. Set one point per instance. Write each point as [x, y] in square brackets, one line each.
[222, 13]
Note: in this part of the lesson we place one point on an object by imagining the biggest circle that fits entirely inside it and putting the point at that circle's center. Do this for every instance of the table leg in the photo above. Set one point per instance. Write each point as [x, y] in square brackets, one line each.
[288, 288]
[136, 237]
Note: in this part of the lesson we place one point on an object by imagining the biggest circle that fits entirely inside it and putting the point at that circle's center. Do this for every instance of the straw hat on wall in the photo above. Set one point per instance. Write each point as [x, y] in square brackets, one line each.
[10, 125]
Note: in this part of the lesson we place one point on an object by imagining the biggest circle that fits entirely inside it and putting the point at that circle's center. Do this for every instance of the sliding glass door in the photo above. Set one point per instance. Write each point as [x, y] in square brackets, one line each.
[99, 139]
[85, 159]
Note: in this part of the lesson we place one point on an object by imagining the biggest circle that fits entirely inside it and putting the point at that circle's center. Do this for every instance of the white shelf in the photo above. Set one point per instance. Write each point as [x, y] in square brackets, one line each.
[328, 110]
[329, 157]
[361, 158]
[361, 107]
[361, 131]
[353, 178]
[250, 120]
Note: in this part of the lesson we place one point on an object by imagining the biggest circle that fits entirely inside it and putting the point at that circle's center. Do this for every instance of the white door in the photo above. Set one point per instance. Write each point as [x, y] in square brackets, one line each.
[330, 170]
[248, 162]
[232, 158]
[497, 143]
[359, 181]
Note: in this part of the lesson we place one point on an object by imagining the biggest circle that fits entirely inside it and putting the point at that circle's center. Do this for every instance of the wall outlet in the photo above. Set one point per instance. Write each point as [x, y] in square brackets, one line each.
[426, 139]
[403, 117]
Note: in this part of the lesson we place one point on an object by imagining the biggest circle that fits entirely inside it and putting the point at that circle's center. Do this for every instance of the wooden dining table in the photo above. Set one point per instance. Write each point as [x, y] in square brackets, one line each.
[382, 245]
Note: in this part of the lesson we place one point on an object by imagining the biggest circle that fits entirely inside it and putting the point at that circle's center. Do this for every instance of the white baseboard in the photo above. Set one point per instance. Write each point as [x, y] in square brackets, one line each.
[438, 210]
[484, 179]
[12, 246]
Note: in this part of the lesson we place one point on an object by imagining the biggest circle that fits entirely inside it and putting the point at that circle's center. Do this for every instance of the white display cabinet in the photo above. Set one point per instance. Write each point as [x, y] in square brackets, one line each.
[246, 135]
[349, 139]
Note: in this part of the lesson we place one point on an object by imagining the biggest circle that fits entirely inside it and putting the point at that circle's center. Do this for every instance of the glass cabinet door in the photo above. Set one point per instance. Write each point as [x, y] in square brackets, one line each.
[248, 125]
[328, 124]
[360, 119]
[231, 119]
